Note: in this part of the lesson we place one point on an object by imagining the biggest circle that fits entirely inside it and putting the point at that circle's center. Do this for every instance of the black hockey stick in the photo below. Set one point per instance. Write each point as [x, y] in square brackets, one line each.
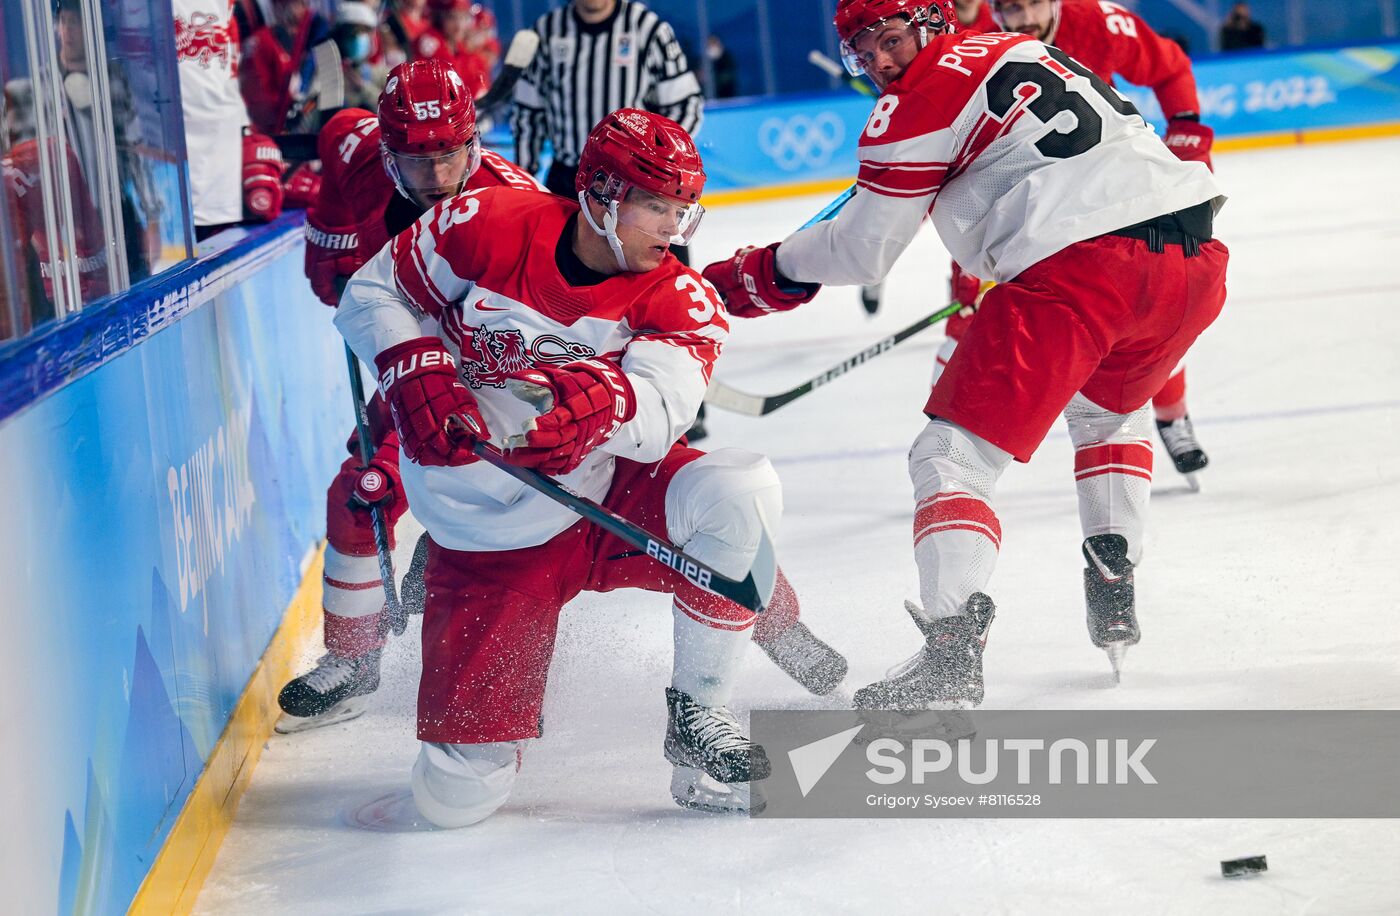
[518, 57]
[756, 405]
[396, 620]
[748, 593]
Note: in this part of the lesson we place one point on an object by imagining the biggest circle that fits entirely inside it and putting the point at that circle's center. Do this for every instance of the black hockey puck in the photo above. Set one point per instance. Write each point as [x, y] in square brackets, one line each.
[1239, 868]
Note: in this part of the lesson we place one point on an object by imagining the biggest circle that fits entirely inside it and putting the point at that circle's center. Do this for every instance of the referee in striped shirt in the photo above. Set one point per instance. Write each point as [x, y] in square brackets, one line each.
[595, 57]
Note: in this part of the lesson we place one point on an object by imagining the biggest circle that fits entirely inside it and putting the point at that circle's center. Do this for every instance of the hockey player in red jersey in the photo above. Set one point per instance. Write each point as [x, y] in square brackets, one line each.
[379, 174]
[1113, 42]
[1040, 177]
[22, 178]
[499, 292]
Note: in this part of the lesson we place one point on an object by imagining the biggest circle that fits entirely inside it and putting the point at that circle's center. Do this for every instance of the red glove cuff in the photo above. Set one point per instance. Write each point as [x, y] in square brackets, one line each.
[412, 358]
[1189, 140]
[749, 283]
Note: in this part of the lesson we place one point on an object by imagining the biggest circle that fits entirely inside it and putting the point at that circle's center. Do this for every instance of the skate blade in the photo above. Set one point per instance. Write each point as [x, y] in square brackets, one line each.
[1117, 652]
[946, 722]
[394, 812]
[344, 711]
[1193, 482]
[693, 788]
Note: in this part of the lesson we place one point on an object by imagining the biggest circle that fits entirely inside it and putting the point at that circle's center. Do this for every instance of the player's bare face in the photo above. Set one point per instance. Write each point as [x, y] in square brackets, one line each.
[1029, 17]
[433, 178]
[886, 50]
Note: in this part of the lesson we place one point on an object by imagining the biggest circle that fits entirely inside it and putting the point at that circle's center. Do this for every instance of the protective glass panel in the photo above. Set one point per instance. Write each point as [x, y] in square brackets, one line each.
[137, 42]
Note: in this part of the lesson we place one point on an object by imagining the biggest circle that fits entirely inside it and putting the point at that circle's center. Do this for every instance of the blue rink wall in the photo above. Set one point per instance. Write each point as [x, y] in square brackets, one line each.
[164, 458]
[161, 508]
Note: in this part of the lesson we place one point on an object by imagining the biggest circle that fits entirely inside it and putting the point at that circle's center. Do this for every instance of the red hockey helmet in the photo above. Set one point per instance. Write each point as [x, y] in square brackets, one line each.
[649, 163]
[427, 128]
[854, 17]
[631, 148]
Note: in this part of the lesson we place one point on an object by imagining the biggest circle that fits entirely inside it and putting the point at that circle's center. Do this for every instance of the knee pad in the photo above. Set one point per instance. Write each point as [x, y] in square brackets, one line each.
[718, 506]
[946, 456]
[457, 785]
[1089, 423]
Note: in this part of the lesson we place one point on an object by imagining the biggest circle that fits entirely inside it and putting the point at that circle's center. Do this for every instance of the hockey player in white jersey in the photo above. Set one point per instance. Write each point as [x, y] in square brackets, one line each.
[1040, 177]
[497, 288]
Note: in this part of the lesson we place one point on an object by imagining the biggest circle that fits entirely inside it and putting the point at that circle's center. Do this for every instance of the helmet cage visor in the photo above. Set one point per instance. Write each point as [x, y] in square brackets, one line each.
[666, 219]
[441, 173]
[858, 51]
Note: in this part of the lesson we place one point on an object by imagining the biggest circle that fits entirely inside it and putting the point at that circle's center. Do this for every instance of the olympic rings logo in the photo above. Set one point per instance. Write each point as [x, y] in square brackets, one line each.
[801, 141]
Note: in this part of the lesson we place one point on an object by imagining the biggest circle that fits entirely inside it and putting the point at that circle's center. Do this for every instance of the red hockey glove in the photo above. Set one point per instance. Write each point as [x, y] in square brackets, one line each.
[332, 255]
[965, 289]
[375, 484]
[751, 286]
[419, 380]
[591, 401]
[302, 187]
[1190, 140]
[262, 177]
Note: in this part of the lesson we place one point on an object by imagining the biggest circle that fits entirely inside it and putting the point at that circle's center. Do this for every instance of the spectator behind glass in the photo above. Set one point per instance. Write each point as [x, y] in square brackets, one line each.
[724, 68]
[355, 27]
[277, 63]
[463, 34]
[1240, 32]
[141, 206]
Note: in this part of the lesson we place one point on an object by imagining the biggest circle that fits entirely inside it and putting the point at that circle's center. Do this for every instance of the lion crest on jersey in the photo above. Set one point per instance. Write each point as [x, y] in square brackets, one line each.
[488, 356]
[204, 38]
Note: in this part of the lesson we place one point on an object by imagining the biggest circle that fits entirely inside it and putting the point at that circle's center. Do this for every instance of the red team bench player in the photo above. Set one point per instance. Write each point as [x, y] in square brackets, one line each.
[1040, 177]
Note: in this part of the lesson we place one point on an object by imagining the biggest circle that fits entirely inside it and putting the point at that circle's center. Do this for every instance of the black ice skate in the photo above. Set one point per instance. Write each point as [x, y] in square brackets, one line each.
[714, 761]
[336, 690]
[870, 298]
[1180, 439]
[1108, 596]
[805, 658]
[947, 671]
[697, 429]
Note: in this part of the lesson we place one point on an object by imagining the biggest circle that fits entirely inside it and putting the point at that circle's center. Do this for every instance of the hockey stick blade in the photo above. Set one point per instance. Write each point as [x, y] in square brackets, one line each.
[745, 593]
[756, 405]
[330, 77]
[518, 57]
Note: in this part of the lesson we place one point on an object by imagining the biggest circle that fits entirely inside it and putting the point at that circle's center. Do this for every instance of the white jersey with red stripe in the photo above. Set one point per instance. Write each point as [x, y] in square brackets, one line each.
[1015, 150]
[479, 270]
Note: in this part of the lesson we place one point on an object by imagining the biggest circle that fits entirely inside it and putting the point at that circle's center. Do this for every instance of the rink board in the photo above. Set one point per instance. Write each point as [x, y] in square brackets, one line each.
[170, 503]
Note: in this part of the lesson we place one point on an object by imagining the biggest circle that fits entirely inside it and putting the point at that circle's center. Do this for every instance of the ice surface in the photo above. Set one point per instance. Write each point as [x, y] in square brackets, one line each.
[1273, 588]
